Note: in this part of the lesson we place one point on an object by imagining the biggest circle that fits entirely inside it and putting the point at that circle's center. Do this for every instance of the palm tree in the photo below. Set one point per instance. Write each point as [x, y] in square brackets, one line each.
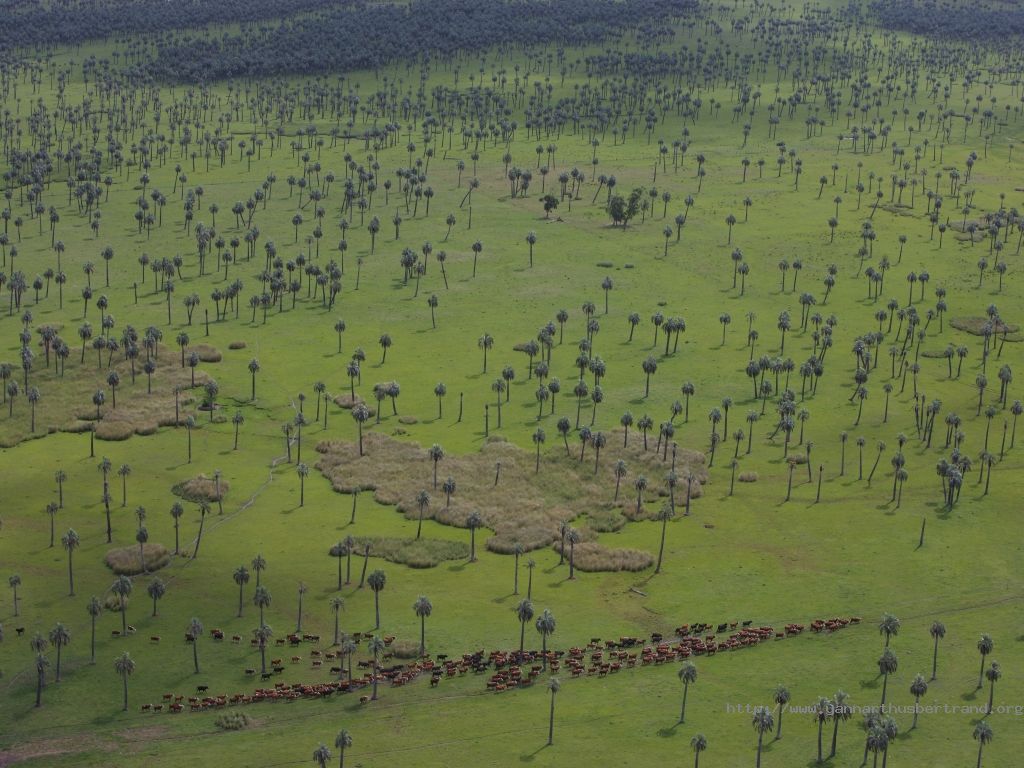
[841, 712]
[263, 634]
[937, 631]
[377, 580]
[822, 714]
[302, 590]
[781, 697]
[992, 674]
[699, 744]
[525, 613]
[342, 742]
[124, 666]
[261, 598]
[156, 590]
[554, 686]
[763, 723]
[41, 664]
[60, 636]
[254, 368]
[665, 514]
[258, 566]
[376, 647]
[877, 741]
[71, 542]
[176, 512]
[303, 471]
[485, 343]
[918, 688]
[687, 674]
[94, 608]
[337, 604]
[985, 645]
[122, 587]
[546, 627]
[473, 521]
[14, 582]
[889, 626]
[650, 366]
[983, 735]
[886, 666]
[423, 608]
[241, 577]
[321, 755]
[195, 631]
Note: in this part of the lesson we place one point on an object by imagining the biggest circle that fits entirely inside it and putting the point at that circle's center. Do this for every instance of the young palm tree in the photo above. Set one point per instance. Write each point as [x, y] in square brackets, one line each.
[94, 608]
[342, 742]
[423, 608]
[258, 566]
[985, 646]
[937, 631]
[983, 735]
[125, 667]
[377, 580]
[554, 686]
[822, 714]
[687, 674]
[763, 723]
[699, 743]
[195, 631]
[321, 755]
[261, 598]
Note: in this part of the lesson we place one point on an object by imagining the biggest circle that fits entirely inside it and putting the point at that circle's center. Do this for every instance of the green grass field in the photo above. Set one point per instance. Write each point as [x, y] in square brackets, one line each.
[744, 555]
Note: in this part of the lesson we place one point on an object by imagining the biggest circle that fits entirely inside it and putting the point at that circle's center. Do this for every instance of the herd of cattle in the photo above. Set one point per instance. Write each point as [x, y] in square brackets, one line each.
[509, 669]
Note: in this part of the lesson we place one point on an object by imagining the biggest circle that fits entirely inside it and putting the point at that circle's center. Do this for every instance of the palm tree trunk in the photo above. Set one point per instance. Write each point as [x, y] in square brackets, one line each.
[551, 725]
[760, 738]
[935, 657]
[682, 712]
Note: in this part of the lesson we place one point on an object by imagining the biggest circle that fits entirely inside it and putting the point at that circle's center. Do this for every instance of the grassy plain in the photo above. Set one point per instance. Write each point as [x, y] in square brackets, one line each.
[744, 556]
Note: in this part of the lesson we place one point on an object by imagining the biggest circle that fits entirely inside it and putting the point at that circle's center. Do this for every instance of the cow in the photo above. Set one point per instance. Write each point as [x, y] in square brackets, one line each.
[202, 688]
[154, 639]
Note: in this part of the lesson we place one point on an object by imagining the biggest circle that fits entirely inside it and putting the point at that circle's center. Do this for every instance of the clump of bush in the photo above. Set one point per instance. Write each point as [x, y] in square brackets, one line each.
[405, 649]
[416, 553]
[748, 477]
[234, 721]
[201, 488]
[589, 556]
[606, 520]
[125, 561]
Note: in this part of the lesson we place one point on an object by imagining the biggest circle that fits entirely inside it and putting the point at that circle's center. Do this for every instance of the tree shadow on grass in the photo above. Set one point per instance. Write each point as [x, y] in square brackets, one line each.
[528, 758]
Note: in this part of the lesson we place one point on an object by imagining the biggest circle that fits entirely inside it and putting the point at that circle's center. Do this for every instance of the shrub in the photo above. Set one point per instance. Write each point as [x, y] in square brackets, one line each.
[125, 560]
[235, 721]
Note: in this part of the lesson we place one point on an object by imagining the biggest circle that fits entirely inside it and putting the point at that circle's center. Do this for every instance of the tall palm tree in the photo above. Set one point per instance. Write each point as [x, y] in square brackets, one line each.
[992, 674]
[422, 502]
[985, 646]
[41, 664]
[781, 697]
[122, 588]
[241, 577]
[841, 712]
[763, 723]
[61, 636]
[14, 581]
[546, 627]
[71, 542]
[342, 742]
[263, 634]
[195, 631]
[156, 590]
[877, 741]
[525, 613]
[822, 714]
[423, 608]
[337, 604]
[937, 631]
[664, 514]
[687, 674]
[699, 743]
[983, 735]
[554, 686]
[918, 688]
[125, 667]
[377, 580]
[176, 512]
[347, 648]
[376, 647]
[302, 590]
[473, 521]
[94, 608]
[259, 564]
[261, 599]
[887, 664]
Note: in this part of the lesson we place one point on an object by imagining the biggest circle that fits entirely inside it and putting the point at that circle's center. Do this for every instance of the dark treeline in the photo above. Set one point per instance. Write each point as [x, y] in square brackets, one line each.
[964, 21]
[350, 38]
[33, 24]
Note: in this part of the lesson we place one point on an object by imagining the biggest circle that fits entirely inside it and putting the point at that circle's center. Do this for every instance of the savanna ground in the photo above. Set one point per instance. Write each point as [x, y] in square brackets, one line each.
[748, 554]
